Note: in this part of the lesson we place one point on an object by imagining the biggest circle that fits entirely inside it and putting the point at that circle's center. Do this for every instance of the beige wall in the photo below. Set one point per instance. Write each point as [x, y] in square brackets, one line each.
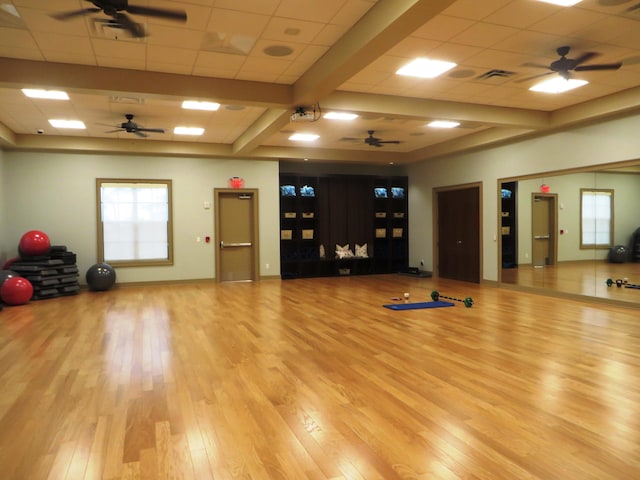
[55, 193]
[613, 141]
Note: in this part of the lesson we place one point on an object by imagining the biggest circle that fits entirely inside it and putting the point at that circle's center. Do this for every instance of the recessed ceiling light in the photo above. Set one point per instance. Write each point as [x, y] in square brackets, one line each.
[304, 137]
[558, 85]
[562, 3]
[188, 131]
[425, 68]
[340, 116]
[75, 124]
[443, 124]
[48, 94]
[196, 105]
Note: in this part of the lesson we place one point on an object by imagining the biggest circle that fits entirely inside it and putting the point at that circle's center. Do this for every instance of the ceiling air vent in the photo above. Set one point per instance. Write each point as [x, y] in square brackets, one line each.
[125, 99]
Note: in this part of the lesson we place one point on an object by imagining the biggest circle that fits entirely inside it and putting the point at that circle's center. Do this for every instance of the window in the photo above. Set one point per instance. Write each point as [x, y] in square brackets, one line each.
[134, 222]
[596, 225]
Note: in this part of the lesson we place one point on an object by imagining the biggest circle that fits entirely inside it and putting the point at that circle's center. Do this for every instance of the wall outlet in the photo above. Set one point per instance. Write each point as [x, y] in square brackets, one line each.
[267, 266]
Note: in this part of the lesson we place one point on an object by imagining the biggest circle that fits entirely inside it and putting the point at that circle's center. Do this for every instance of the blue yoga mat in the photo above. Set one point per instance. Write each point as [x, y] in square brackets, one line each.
[414, 306]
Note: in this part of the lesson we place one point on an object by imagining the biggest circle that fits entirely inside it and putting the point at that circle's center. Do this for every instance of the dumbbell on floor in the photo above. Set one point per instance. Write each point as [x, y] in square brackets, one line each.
[468, 302]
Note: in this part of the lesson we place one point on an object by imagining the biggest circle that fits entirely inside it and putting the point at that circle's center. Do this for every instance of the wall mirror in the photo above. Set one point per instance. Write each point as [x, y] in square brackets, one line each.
[569, 232]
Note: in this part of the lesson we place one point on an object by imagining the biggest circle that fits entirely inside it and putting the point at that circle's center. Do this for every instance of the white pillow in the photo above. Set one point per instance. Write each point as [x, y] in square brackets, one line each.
[361, 251]
[343, 252]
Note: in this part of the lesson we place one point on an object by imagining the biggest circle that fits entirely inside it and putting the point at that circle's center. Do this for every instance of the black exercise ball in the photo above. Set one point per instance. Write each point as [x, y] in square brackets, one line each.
[101, 277]
[618, 254]
[7, 274]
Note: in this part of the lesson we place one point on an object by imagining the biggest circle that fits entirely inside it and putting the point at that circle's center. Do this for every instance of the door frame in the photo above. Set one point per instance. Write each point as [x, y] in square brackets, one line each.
[255, 240]
[436, 233]
[553, 224]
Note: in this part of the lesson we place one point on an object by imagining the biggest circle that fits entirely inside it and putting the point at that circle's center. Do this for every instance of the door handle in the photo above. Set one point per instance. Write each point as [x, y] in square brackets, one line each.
[541, 237]
[229, 245]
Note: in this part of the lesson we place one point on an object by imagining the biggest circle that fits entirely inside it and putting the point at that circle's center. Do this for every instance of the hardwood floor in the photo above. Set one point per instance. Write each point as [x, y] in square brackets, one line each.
[314, 379]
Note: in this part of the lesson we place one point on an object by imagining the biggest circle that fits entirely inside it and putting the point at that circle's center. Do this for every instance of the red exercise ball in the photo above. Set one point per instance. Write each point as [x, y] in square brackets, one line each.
[16, 291]
[34, 243]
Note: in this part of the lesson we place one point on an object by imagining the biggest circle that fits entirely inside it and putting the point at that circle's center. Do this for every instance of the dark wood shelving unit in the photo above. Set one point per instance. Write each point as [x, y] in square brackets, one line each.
[343, 210]
[508, 225]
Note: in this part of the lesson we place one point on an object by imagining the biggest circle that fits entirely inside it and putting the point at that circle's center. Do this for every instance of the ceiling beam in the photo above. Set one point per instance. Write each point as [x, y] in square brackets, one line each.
[407, 107]
[16, 73]
[466, 143]
[618, 103]
[7, 137]
[266, 125]
[81, 144]
[372, 156]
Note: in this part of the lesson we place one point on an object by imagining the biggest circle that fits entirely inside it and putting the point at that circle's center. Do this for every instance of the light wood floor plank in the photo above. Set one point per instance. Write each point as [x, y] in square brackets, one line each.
[314, 379]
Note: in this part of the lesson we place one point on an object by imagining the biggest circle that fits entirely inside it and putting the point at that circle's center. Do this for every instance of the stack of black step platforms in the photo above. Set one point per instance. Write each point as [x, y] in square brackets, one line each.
[53, 275]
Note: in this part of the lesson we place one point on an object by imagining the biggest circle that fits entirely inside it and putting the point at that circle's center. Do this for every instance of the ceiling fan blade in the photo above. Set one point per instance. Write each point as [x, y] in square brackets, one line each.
[151, 130]
[535, 65]
[115, 131]
[389, 141]
[533, 77]
[584, 58]
[135, 29]
[158, 12]
[74, 13]
[601, 66]
[139, 133]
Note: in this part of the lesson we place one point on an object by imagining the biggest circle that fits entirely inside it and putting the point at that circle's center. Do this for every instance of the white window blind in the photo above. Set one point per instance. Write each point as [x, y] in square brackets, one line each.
[135, 219]
[597, 218]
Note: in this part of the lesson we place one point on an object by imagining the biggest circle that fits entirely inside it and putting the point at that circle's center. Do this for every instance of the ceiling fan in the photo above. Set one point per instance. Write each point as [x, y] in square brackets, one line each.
[376, 142]
[131, 127]
[564, 66]
[116, 8]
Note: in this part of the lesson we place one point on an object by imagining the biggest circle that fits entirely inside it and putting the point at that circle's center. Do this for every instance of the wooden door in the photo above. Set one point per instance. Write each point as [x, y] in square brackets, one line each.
[236, 234]
[458, 237]
[543, 221]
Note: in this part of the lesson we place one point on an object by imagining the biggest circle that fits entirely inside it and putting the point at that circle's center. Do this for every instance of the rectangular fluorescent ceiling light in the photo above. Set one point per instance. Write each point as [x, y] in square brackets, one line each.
[340, 116]
[304, 137]
[195, 105]
[558, 85]
[48, 94]
[562, 3]
[75, 124]
[425, 68]
[443, 124]
[188, 131]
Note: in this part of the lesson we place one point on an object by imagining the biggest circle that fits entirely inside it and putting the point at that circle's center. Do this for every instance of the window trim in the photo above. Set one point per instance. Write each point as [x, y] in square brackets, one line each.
[100, 231]
[585, 246]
